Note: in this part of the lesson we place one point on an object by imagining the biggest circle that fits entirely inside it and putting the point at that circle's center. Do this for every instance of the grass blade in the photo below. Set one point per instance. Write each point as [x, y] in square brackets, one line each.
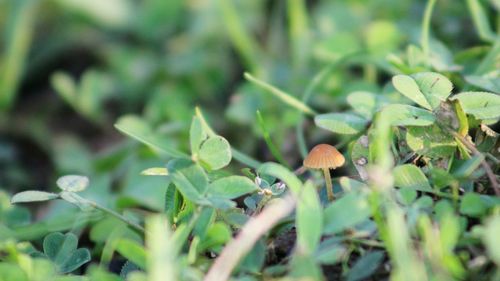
[285, 97]
[267, 138]
[19, 31]
[245, 45]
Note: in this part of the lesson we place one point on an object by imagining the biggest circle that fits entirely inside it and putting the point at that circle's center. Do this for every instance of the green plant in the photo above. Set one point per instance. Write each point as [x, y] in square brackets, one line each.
[411, 104]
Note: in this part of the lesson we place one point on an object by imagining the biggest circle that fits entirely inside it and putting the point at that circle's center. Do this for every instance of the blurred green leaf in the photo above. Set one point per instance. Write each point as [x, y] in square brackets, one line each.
[362, 102]
[410, 176]
[481, 105]
[231, 187]
[309, 219]
[365, 266]
[189, 178]
[132, 251]
[215, 152]
[196, 135]
[430, 141]
[72, 183]
[407, 86]
[136, 128]
[345, 212]
[472, 205]
[341, 123]
[435, 87]
[33, 196]
[490, 238]
[62, 250]
[407, 115]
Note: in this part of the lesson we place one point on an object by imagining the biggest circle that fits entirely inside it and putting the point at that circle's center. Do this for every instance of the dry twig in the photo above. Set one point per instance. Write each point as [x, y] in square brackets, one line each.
[256, 227]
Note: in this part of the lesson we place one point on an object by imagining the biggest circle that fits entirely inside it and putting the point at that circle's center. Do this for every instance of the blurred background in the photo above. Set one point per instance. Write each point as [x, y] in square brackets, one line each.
[69, 69]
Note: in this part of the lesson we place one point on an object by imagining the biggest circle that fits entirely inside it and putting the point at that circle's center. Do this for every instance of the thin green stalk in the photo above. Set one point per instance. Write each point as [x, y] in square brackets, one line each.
[116, 215]
[283, 96]
[267, 138]
[371, 243]
[426, 25]
[311, 88]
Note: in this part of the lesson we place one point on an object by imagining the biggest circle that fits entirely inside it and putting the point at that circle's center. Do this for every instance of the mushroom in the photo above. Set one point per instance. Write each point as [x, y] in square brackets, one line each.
[325, 157]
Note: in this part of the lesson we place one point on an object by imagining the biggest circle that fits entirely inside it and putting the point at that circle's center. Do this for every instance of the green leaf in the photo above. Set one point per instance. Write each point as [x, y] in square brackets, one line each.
[329, 254]
[472, 205]
[189, 178]
[196, 135]
[365, 266]
[430, 141]
[484, 82]
[218, 234]
[65, 86]
[346, 212]
[407, 195]
[215, 152]
[309, 219]
[464, 168]
[221, 203]
[32, 196]
[231, 187]
[12, 272]
[72, 183]
[132, 251]
[435, 87]
[136, 128]
[341, 123]
[490, 238]
[481, 105]
[349, 184]
[427, 89]
[410, 176]
[441, 178]
[363, 103]
[62, 250]
[409, 88]
[407, 115]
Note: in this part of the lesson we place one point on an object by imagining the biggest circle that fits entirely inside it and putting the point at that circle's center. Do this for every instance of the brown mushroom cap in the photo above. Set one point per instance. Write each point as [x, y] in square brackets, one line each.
[324, 156]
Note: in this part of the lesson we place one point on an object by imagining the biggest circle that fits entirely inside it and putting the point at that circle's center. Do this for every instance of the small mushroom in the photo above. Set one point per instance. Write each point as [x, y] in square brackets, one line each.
[325, 157]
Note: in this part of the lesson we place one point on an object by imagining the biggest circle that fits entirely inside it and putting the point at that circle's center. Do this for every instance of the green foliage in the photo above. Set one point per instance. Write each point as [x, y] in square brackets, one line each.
[411, 102]
[62, 250]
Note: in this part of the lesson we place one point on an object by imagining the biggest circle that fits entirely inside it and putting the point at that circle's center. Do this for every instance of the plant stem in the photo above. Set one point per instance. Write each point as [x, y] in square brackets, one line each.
[328, 181]
[255, 228]
[424, 40]
[118, 216]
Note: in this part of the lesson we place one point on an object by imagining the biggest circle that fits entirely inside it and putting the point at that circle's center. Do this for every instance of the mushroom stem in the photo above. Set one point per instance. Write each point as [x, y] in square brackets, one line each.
[328, 181]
